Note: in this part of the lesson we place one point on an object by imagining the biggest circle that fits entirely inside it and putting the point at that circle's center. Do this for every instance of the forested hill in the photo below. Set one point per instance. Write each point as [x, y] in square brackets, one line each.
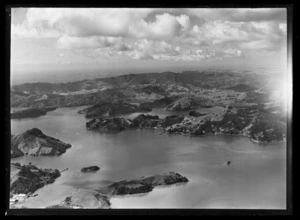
[205, 79]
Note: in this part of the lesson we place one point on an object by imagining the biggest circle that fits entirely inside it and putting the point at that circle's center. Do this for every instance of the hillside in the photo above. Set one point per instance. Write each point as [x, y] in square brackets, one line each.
[35, 142]
[147, 87]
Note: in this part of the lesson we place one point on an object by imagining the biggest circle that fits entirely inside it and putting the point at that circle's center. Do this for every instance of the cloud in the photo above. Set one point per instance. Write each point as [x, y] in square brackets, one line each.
[165, 26]
[84, 22]
[283, 27]
[159, 34]
[240, 14]
[25, 31]
[69, 42]
[233, 52]
[184, 21]
[221, 31]
[101, 22]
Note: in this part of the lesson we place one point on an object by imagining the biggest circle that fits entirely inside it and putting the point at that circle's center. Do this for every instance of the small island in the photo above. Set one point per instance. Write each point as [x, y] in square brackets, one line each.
[90, 169]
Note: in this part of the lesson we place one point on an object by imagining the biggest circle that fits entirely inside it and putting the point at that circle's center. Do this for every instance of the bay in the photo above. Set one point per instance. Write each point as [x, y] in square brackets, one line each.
[255, 179]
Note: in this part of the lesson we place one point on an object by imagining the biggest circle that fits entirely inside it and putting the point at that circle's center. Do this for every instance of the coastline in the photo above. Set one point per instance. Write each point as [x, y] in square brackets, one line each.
[163, 131]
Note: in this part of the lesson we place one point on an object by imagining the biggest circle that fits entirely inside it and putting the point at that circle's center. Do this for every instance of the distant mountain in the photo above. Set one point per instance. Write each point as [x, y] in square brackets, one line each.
[138, 88]
[203, 78]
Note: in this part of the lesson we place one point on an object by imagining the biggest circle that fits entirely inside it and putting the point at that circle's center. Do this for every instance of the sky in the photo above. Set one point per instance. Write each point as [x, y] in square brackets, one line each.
[125, 40]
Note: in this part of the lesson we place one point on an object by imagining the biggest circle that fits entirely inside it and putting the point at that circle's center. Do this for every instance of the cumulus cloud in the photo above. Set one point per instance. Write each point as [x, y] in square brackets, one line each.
[84, 22]
[36, 32]
[159, 34]
[241, 14]
[69, 42]
[165, 26]
[185, 22]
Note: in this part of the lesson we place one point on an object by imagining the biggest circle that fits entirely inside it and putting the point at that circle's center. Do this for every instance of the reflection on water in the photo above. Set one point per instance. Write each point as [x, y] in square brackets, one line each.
[256, 177]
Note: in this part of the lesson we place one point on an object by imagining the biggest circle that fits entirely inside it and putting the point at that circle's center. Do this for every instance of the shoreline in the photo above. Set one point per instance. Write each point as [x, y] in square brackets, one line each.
[163, 131]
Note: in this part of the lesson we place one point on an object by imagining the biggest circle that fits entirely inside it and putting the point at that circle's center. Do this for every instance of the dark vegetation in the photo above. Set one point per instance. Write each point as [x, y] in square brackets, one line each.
[30, 178]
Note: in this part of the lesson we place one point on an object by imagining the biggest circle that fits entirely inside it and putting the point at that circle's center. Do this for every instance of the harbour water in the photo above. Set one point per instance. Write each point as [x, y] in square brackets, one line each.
[255, 179]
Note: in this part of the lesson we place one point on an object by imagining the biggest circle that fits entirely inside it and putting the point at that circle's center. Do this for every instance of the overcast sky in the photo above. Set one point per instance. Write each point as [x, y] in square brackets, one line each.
[146, 39]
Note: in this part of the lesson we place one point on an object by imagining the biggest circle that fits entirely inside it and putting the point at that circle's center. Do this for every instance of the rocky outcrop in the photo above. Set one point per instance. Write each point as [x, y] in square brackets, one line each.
[84, 198]
[26, 179]
[35, 142]
[90, 169]
[111, 109]
[28, 113]
[99, 198]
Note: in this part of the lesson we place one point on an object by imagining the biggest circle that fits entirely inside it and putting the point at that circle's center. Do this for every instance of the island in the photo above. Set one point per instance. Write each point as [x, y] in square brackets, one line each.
[34, 142]
[100, 198]
[142, 184]
[26, 179]
[253, 121]
[90, 169]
